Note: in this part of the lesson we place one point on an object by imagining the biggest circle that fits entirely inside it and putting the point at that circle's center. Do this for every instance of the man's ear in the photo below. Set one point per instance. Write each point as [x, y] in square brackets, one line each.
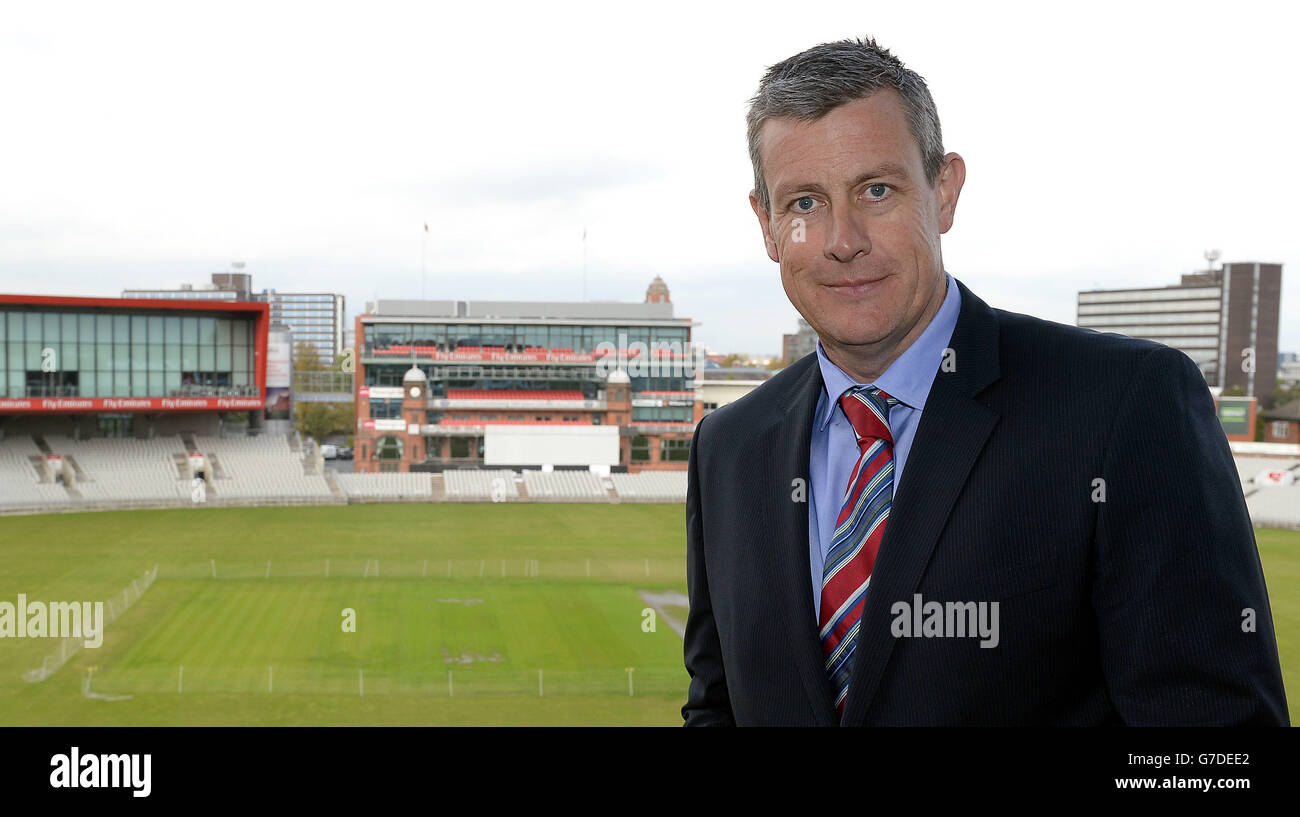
[764, 222]
[949, 184]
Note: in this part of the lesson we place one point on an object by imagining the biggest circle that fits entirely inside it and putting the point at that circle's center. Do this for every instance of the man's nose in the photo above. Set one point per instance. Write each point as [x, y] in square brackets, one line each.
[847, 237]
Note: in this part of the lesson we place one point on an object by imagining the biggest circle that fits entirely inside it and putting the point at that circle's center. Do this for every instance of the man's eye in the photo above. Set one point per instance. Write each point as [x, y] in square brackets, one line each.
[804, 204]
[878, 191]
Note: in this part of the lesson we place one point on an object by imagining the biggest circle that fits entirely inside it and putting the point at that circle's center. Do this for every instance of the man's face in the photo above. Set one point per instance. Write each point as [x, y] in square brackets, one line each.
[854, 224]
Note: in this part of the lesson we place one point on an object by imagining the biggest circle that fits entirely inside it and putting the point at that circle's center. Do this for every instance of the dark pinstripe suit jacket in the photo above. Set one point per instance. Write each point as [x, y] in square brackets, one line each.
[1127, 610]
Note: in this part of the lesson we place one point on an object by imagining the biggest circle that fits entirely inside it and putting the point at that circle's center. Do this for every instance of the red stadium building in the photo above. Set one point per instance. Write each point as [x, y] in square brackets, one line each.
[125, 367]
[444, 385]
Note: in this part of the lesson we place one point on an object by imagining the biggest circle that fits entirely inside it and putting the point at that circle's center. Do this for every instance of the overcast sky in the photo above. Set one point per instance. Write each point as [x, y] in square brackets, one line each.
[146, 145]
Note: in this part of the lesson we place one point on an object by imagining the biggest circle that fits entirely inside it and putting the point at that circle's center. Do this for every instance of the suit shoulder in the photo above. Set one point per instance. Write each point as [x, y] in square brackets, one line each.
[1028, 341]
[758, 405]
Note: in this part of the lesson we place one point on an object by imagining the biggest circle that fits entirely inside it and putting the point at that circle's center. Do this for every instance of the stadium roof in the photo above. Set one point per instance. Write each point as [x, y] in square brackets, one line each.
[578, 310]
[156, 304]
[1286, 411]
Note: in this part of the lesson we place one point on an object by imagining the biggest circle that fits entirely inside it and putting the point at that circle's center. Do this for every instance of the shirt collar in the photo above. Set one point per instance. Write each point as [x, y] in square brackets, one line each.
[910, 376]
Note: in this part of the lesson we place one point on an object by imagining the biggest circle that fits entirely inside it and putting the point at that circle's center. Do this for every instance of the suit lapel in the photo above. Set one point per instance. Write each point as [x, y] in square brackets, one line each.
[953, 430]
[784, 445]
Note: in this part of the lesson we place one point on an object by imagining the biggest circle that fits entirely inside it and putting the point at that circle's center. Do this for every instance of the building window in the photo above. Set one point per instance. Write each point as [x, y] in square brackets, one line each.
[388, 448]
[386, 409]
[116, 425]
[640, 449]
[1280, 429]
[674, 450]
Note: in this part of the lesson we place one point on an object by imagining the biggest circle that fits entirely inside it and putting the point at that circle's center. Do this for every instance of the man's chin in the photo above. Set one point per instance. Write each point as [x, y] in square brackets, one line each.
[855, 338]
[855, 329]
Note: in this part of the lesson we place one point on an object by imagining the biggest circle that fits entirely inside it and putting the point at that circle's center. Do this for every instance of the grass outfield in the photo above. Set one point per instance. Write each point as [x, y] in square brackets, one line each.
[488, 593]
[1279, 552]
[271, 650]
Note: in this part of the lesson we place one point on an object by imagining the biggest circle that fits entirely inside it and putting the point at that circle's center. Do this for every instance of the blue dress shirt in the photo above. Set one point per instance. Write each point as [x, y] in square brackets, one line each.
[834, 447]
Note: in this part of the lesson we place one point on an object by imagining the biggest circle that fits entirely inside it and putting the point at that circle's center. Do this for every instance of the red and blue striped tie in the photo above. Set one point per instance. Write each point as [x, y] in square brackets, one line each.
[859, 529]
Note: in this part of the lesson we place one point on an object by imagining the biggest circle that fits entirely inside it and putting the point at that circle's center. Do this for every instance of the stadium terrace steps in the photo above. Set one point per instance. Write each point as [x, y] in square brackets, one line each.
[1275, 507]
[651, 486]
[261, 467]
[1270, 506]
[1249, 467]
[101, 473]
[19, 480]
[110, 469]
[183, 469]
[112, 472]
[411, 486]
[478, 485]
[571, 486]
[332, 480]
[116, 473]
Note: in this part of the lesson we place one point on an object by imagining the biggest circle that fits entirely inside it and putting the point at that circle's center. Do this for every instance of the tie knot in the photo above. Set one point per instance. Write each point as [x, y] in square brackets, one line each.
[867, 408]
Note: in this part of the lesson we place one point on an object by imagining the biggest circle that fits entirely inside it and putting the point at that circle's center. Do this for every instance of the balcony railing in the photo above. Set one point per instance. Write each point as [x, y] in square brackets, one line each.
[193, 390]
[52, 391]
[188, 390]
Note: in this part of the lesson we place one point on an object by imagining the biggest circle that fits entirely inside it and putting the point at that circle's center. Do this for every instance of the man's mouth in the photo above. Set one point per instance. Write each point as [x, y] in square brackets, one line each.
[855, 287]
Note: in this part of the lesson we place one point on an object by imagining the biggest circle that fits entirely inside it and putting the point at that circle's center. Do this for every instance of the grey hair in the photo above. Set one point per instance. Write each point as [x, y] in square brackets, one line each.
[810, 84]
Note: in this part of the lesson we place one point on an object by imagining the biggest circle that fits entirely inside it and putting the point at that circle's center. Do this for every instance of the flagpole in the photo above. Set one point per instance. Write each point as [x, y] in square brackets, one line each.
[424, 246]
[584, 262]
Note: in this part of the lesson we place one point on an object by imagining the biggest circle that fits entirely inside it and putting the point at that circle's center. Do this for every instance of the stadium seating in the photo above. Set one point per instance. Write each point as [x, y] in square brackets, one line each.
[261, 467]
[1249, 467]
[129, 470]
[479, 484]
[386, 486]
[651, 486]
[1275, 507]
[19, 481]
[563, 485]
[1270, 506]
[113, 472]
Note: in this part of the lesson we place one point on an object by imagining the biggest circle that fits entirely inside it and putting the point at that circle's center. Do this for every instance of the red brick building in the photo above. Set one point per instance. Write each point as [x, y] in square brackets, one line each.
[452, 384]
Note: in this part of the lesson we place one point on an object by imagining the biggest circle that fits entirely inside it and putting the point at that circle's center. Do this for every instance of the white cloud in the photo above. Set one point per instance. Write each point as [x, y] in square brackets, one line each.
[150, 144]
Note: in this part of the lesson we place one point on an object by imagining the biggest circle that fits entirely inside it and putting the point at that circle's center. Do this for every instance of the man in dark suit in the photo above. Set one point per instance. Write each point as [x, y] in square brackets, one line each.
[952, 514]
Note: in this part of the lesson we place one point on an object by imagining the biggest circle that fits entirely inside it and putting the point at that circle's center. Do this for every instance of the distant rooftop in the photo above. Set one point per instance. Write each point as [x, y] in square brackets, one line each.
[733, 373]
[580, 310]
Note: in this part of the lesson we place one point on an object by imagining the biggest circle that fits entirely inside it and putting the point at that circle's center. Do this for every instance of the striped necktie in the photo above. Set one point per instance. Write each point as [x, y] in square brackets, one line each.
[859, 529]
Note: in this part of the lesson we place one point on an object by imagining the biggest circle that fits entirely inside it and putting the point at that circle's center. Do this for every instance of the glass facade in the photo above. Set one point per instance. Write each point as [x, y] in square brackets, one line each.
[662, 414]
[100, 353]
[586, 379]
[582, 339]
[514, 337]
